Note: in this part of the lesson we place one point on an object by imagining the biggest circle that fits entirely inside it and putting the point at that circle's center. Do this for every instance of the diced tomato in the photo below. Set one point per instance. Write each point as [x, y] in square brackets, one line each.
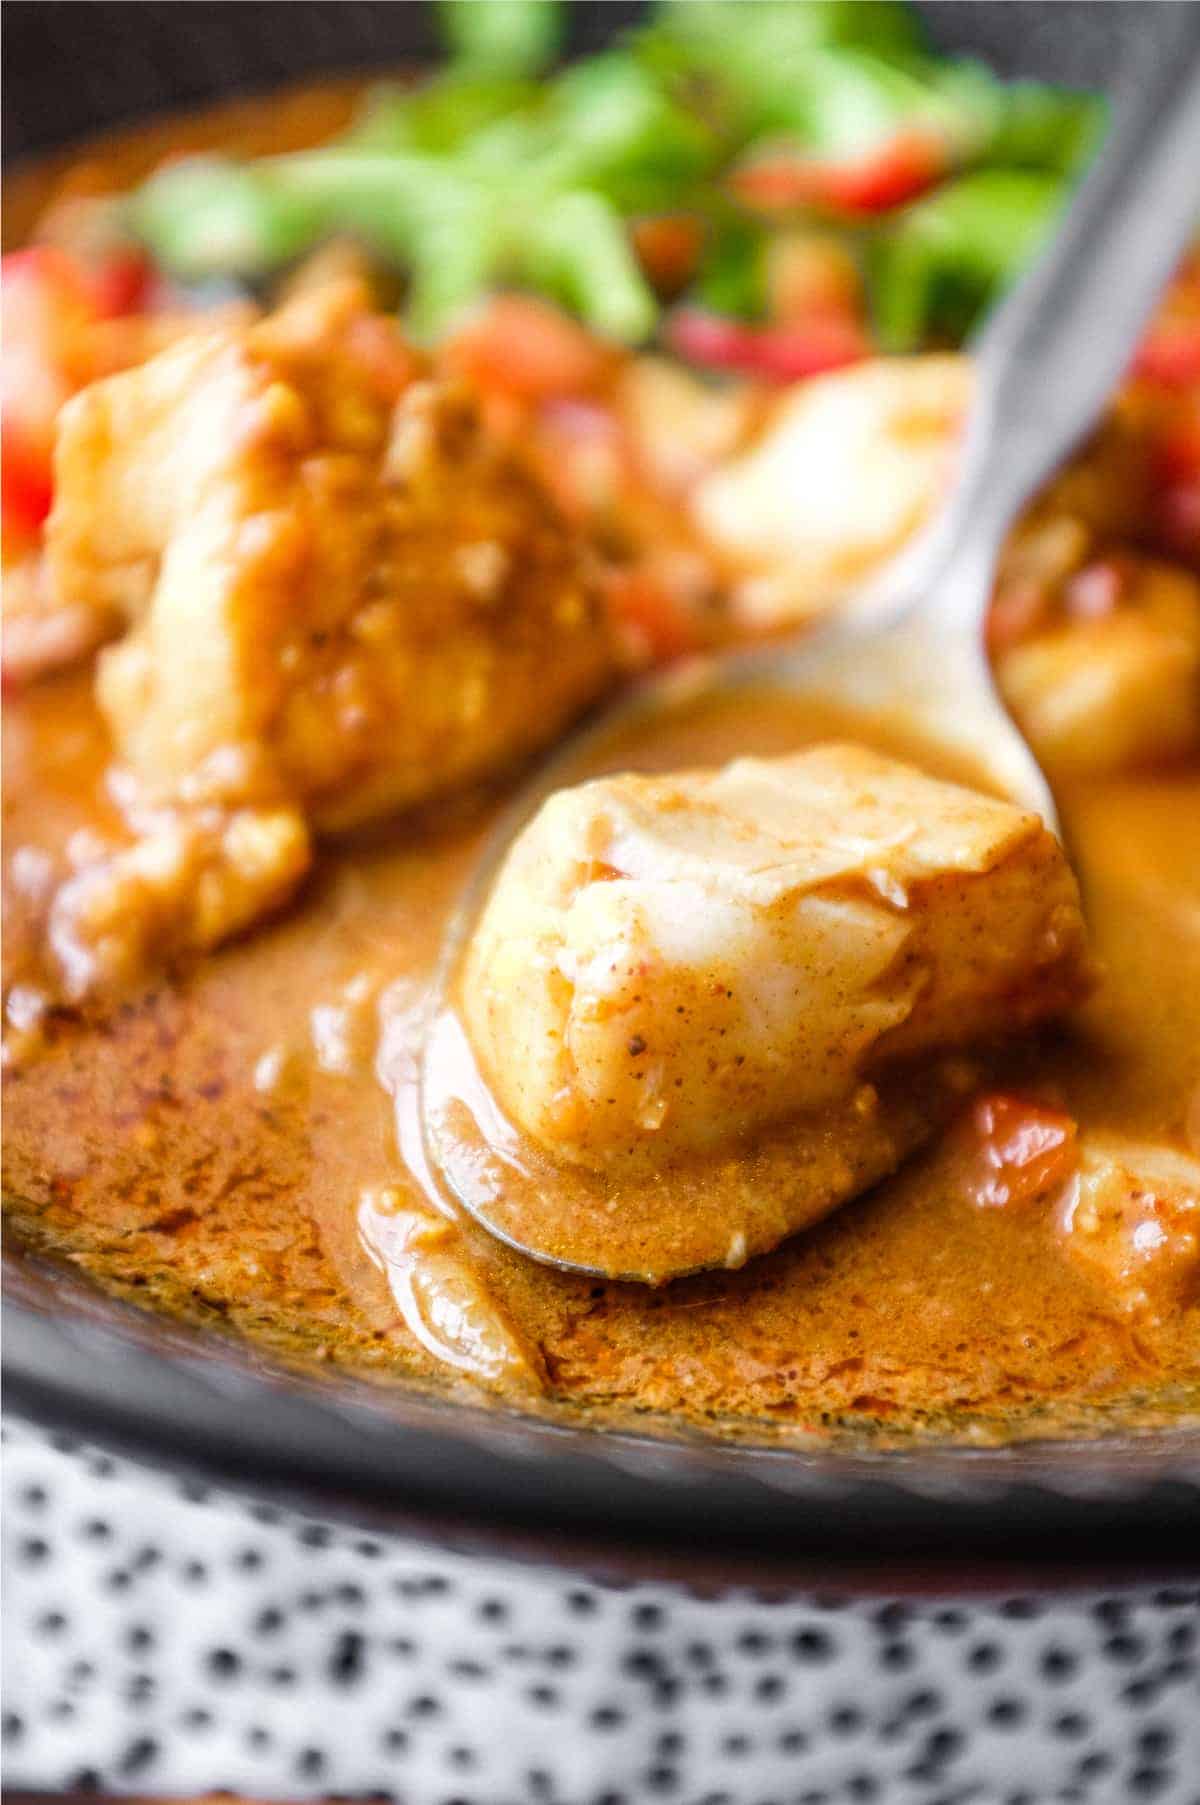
[46, 307]
[668, 248]
[121, 283]
[655, 616]
[26, 478]
[1018, 1150]
[1177, 452]
[51, 303]
[525, 347]
[875, 181]
[58, 277]
[1169, 355]
[1176, 486]
[788, 353]
[48, 303]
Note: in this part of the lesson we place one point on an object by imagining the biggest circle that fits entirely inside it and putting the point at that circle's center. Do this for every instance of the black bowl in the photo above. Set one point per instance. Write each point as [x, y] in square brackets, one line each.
[79, 66]
[470, 1474]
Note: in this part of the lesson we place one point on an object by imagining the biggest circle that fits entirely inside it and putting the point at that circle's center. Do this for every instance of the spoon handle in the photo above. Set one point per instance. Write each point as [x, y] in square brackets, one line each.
[1056, 348]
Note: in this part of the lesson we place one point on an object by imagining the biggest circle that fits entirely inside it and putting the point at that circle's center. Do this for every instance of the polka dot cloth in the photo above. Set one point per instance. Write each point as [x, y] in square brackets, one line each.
[161, 1639]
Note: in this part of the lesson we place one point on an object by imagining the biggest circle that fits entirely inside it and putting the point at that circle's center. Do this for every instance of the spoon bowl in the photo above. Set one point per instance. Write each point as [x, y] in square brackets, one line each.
[907, 660]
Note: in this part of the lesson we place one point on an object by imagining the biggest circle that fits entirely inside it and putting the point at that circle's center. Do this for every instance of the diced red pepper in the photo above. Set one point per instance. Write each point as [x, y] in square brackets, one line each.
[71, 291]
[775, 353]
[46, 305]
[657, 618]
[886, 176]
[26, 478]
[1177, 452]
[1169, 355]
[57, 275]
[122, 283]
[1019, 1150]
[50, 303]
[1176, 486]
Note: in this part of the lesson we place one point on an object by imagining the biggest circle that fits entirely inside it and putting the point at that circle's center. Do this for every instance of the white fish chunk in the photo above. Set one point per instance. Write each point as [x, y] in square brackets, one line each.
[669, 964]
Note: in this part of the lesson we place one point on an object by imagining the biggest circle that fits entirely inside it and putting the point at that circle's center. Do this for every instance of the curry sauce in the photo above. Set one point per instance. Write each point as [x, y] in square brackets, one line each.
[220, 1145]
[235, 1140]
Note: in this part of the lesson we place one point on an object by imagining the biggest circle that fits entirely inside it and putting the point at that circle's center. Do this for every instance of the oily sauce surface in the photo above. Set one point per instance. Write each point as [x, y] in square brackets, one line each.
[209, 1147]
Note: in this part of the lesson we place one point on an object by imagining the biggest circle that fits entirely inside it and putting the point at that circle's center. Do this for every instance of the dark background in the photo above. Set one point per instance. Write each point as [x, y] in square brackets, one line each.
[75, 66]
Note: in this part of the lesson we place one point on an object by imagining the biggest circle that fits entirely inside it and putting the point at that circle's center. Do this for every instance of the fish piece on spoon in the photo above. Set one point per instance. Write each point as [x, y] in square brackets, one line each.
[706, 1009]
[909, 656]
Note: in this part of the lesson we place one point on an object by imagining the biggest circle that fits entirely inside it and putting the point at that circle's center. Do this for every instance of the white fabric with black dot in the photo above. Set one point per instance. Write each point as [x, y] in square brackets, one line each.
[157, 1639]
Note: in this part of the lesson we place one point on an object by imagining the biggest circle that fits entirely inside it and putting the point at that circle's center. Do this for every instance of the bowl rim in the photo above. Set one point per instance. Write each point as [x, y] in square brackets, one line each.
[485, 1476]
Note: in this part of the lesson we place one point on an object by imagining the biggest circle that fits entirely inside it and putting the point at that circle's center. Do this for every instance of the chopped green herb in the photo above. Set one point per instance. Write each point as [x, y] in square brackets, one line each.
[441, 115]
[506, 37]
[733, 273]
[950, 255]
[491, 174]
[1041, 127]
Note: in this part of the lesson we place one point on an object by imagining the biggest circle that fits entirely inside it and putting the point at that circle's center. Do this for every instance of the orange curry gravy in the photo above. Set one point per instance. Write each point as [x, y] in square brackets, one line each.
[226, 1147]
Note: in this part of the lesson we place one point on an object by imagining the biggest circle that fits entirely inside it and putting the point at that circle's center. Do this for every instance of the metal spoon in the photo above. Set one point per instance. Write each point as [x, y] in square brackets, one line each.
[911, 649]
